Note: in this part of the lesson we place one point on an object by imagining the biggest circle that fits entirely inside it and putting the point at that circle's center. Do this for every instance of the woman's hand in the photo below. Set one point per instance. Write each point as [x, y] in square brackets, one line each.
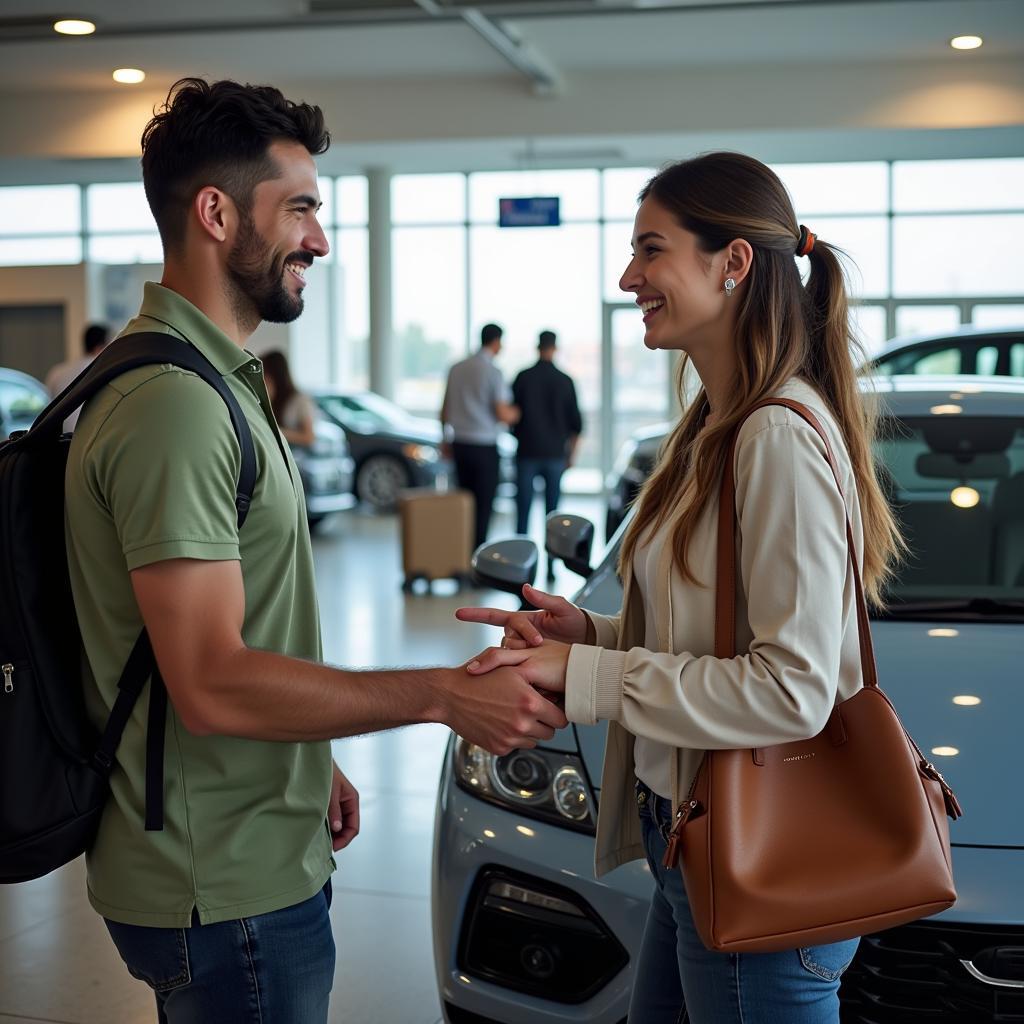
[543, 667]
[556, 619]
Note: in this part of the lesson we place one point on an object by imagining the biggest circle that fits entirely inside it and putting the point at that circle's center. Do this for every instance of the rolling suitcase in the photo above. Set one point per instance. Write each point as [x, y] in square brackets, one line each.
[437, 535]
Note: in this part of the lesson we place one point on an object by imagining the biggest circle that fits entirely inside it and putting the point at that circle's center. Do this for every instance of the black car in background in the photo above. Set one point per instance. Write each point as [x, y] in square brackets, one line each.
[394, 449]
[972, 350]
[391, 449]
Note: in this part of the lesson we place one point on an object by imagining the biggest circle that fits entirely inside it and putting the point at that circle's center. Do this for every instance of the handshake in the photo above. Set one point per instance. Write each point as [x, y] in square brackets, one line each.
[512, 696]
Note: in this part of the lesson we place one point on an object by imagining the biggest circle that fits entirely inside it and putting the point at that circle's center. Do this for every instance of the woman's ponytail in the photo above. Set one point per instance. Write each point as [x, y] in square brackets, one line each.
[833, 355]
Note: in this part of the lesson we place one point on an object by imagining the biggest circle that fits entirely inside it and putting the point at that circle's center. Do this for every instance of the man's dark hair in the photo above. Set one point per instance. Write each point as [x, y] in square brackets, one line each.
[490, 333]
[218, 133]
[95, 337]
[546, 341]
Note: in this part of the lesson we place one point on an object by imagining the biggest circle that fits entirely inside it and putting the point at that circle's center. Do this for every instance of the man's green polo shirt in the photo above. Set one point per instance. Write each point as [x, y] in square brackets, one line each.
[151, 476]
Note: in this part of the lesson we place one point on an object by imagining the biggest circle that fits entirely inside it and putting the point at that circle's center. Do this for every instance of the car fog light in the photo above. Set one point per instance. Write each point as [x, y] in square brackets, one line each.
[570, 794]
[537, 961]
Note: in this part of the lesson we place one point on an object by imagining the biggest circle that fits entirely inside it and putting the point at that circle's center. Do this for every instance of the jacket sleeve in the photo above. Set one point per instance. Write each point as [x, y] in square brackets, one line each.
[793, 563]
[573, 407]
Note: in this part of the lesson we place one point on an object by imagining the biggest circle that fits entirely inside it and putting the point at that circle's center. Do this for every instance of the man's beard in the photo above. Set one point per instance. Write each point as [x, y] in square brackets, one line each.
[259, 292]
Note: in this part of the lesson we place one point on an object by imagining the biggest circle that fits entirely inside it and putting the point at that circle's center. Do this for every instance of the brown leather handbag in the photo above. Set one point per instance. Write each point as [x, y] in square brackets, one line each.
[818, 840]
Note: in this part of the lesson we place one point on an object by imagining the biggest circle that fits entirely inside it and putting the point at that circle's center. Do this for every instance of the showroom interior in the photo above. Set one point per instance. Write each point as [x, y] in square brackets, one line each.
[902, 149]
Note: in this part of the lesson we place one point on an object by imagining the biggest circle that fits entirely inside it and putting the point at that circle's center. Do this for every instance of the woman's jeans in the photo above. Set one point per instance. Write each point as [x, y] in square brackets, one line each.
[274, 968]
[677, 979]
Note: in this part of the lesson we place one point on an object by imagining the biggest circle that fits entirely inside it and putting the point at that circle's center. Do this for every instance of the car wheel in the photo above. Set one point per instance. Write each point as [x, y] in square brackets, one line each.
[379, 479]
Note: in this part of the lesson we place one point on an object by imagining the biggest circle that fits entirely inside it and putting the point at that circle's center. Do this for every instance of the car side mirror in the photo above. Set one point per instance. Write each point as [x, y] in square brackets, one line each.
[570, 538]
[505, 565]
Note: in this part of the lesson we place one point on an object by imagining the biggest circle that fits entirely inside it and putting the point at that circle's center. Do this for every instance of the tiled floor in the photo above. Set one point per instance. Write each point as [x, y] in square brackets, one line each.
[57, 964]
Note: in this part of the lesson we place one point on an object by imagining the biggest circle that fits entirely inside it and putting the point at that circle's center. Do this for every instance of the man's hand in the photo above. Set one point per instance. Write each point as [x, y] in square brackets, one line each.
[343, 810]
[499, 710]
[542, 666]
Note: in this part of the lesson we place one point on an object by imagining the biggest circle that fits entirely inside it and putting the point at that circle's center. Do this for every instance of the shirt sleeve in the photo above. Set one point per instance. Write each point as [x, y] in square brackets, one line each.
[502, 392]
[793, 564]
[165, 464]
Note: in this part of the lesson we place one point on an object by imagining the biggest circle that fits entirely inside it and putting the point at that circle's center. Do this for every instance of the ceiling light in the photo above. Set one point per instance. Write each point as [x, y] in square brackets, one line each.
[945, 751]
[967, 701]
[74, 27]
[964, 497]
[129, 76]
[943, 632]
[945, 410]
[965, 42]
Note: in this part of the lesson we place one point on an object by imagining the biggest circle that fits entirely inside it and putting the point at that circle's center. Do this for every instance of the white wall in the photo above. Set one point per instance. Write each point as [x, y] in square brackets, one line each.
[58, 286]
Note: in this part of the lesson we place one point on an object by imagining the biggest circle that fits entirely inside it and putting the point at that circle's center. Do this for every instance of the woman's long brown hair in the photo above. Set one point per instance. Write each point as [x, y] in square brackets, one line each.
[784, 329]
[275, 367]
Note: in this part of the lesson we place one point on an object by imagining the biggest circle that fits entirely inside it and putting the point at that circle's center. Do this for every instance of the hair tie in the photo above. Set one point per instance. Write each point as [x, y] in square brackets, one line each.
[806, 243]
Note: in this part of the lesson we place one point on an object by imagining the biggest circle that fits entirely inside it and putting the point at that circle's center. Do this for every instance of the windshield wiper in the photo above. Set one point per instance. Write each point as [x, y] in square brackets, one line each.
[980, 607]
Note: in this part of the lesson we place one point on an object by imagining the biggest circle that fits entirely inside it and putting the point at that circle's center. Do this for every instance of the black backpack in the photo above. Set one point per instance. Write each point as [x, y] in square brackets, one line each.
[54, 766]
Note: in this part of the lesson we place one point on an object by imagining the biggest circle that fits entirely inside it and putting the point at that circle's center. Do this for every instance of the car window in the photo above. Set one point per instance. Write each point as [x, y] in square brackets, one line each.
[1017, 359]
[986, 360]
[17, 401]
[353, 414]
[937, 361]
[956, 485]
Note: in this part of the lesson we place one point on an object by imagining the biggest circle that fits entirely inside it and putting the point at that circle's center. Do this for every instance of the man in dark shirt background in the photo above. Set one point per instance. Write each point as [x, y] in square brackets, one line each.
[548, 430]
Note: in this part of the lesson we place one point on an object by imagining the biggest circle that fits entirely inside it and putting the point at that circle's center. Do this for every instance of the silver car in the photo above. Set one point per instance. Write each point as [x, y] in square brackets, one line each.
[523, 931]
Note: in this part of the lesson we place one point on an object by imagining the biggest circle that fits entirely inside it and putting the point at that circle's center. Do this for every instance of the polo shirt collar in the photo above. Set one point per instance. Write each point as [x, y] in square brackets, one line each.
[167, 306]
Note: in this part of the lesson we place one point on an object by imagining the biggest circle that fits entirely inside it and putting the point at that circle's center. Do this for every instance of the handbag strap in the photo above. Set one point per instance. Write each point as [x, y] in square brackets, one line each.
[725, 597]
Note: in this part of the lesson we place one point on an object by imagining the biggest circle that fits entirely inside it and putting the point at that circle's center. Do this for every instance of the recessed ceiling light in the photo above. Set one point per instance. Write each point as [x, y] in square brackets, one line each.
[945, 751]
[965, 700]
[943, 632]
[964, 497]
[74, 27]
[129, 76]
[946, 410]
[965, 42]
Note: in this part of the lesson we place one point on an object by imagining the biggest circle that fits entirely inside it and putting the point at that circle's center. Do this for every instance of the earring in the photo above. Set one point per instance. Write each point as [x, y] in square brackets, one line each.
[730, 285]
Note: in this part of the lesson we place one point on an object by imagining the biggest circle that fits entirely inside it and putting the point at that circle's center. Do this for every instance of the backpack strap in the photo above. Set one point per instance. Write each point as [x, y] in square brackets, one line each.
[144, 349]
[124, 354]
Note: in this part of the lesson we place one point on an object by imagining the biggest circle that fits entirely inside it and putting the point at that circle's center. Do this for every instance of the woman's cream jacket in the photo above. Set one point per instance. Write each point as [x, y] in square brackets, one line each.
[796, 624]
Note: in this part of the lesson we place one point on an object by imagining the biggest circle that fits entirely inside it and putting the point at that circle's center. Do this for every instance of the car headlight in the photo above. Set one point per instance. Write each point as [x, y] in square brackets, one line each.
[544, 784]
[420, 452]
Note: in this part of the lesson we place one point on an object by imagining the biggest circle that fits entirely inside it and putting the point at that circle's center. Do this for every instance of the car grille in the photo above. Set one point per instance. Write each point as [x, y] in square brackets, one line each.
[914, 973]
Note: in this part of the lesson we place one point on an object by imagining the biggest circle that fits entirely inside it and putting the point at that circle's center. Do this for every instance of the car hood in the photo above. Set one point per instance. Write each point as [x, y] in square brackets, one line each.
[922, 674]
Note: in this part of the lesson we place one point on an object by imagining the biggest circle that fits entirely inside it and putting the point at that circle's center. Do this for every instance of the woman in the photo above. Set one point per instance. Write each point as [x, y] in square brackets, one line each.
[715, 274]
[293, 410]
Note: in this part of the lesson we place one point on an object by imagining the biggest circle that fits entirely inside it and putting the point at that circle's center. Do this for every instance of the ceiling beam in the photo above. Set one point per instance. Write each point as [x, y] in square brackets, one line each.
[544, 76]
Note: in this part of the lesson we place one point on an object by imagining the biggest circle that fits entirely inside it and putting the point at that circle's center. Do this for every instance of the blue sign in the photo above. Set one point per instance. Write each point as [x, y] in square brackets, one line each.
[529, 212]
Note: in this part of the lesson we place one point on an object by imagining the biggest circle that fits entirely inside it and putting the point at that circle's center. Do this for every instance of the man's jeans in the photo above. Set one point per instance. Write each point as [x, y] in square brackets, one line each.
[677, 979]
[527, 470]
[274, 968]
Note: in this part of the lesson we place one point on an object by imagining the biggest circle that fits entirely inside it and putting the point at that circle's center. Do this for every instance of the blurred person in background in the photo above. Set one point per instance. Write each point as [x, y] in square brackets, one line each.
[95, 339]
[293, 410]
[548, 430]
[477, 404]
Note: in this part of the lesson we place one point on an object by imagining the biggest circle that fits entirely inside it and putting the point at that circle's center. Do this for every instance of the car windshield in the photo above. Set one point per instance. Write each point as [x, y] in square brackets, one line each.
[358, 414]
[956, 484]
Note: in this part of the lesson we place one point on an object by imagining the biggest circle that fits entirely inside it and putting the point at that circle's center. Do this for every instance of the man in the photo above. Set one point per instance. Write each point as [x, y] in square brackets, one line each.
[224, 911]
[477, 403]
[94, 340]
[548, 430]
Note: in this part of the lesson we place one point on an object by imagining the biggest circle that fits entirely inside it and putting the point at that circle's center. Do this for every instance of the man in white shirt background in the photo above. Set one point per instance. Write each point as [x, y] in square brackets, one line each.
[94, 340]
